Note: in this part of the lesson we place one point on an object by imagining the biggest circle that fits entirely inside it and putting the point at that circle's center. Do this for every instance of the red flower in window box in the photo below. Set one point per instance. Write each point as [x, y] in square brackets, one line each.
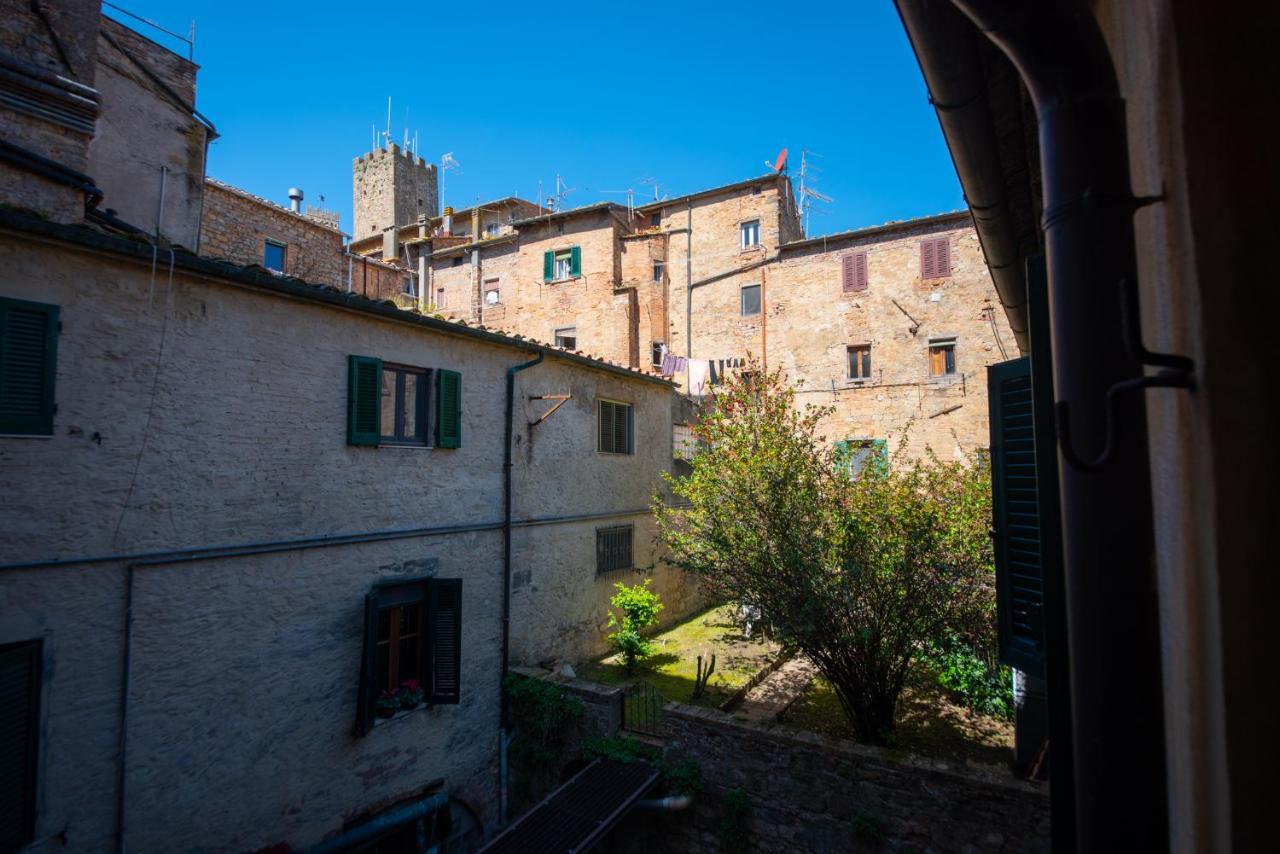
[410, 694]
[387, 703]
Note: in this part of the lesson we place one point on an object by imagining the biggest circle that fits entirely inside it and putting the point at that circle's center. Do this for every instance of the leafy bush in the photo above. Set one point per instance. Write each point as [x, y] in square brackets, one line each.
[542, 712]
[620, 748]
[861, 572]
[981, 684]
[683, 777]
[639, 607]
[733, 824]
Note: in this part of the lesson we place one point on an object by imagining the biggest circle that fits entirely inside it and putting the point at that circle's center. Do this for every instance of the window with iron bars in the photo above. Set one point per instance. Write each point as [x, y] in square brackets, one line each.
[613, 548]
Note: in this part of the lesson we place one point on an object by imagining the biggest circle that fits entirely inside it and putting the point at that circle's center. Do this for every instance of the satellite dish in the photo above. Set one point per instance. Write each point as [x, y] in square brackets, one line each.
[781, 163]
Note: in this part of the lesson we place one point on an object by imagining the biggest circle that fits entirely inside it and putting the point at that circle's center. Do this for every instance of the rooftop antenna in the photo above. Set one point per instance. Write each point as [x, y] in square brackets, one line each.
[446, 163]
[556, 201]
[631, 199]
[807, 194]
[654, 182]
[387, 133]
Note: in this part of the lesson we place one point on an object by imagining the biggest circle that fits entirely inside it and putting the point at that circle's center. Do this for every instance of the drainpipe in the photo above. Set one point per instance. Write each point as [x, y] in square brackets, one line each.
[1109, 548]
[504, 738]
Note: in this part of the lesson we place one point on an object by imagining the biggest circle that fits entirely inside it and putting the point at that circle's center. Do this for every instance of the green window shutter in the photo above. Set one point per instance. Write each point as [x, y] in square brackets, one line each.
[449, 409]
[548, 265]
[444, 640]
[364, 400]
[575, 261]
[28, 366]
[1016, 517]
[20, 681]
[367, 692]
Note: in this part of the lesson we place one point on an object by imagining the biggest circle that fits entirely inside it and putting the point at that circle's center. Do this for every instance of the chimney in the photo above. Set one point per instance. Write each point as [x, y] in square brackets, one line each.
[448, 220]
[295, 200]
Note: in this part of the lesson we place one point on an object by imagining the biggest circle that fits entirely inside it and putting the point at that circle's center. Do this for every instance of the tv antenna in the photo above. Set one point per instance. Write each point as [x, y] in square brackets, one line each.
[654, 182]
[631, 199]
[447, 162]
[807, 195]
[555, 201]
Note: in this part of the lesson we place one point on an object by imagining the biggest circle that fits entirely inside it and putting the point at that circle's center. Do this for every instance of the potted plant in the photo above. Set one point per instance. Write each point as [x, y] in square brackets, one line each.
[387, 704]
[411, 694]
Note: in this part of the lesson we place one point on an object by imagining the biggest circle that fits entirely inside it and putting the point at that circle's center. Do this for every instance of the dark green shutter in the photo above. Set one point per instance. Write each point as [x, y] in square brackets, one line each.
[449, 408]
[621, 428]
[364, 400]
[28, 366]
[444, 639]
[20, 681]
[604, 411]
[575, 261]
[368, 690]
[1016, 517]
[548, 265]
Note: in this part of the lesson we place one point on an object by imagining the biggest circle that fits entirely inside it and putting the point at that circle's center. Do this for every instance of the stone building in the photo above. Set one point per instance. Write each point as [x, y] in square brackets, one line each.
[243, 509]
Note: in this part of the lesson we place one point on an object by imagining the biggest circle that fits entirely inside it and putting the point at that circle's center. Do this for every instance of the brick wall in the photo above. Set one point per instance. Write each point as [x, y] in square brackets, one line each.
[811, 793]
[236, 226]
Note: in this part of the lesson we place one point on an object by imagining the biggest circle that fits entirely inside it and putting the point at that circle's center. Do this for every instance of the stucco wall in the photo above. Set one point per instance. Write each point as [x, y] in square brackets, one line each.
[244, 669]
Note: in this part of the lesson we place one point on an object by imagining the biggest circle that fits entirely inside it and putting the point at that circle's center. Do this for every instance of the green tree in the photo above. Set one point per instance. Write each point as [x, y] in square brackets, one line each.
[861, 572]
[638, 608]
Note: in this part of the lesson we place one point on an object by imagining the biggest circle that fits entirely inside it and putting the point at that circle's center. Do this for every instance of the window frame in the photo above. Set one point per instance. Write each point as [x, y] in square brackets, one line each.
[272, 243]
[864, 363]
[742, 300]
[749, 227]
[557, 256]
[424, 405]
[556, 337]
[630, 450]
[602, 534]
[878, 454]
[485, 290]
[656, 353]
[659, 270]
[946, 344]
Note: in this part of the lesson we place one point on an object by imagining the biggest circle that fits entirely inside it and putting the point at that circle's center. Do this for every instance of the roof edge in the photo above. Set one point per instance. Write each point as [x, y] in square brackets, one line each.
[884, 228]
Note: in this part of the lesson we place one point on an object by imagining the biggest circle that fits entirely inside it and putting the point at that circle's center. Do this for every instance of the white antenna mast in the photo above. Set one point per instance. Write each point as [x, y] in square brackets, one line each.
[807, 194]
[387, 133]
[447, 162]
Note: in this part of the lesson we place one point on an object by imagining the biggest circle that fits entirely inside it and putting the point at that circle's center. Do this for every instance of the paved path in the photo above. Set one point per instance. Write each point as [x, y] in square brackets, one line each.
[766, 701]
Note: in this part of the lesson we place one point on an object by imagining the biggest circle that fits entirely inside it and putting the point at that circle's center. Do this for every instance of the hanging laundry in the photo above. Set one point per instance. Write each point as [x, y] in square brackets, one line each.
[669, 365]
[699, 373]
[711, 369]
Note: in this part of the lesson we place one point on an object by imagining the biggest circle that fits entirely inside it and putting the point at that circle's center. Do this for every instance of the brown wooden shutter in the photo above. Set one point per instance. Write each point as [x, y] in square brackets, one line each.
[444, 625]
[942, 258]
[937, 361]
[848, 273]
[928, 263]
[19, 732]
[860, 271]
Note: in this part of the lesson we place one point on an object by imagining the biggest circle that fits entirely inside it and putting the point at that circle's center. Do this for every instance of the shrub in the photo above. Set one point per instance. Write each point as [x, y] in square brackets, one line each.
[620, 748]
[733, 824]
[980, 683]
[860, 572]
[542, 712]
[638, 607]
[683, 777]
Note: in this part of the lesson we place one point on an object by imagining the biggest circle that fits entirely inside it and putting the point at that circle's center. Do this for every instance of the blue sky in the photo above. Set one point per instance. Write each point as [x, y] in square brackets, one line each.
[606, 94]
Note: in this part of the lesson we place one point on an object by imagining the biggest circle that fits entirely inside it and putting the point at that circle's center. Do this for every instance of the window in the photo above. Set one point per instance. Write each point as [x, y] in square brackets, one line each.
[273, 255]
[935, 258]
[491, 230]
[613, 548]
[457, 260]
[656, 351]
[408, 286]
[616, 427]
[20, 665]
[442, 298]
[397, 404]
[859, 362]
[853, 272]
[412, 634]
[683, 444]
[655, 220]
[404, 405]
[750, 233]
[492, 292]
[942, 356]
[561, 264]
[856, 455]
[28, 353]
[658, 269]
[567, 337]
[750, 300]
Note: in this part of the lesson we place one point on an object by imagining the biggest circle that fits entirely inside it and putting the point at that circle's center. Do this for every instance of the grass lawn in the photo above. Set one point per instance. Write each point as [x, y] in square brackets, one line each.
[674, 664]
[929, 723]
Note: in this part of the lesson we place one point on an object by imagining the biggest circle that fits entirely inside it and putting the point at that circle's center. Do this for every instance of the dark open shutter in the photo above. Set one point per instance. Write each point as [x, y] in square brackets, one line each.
[575, 261]
[548, 265]
[368, 691]
[621, 429]
[444, 620]
[1016, 517]
[364, 400]
[449, 407]
[28, 351]
[19, 731]
[605, 409]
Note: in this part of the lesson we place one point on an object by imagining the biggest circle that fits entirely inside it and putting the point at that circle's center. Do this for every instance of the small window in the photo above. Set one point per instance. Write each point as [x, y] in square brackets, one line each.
[567, 337]
[859, 362]
[273, 255]
[613, 548]
[657, 351]
[942, 357]
[412, 648]
[857, 455]
[457, 260]
[683, 443]
[561, 264]
[20, 666]
[655, 220]
[28, 356]
[659, 267]
[750, 300]
[404, 405]
[491, 230]
[750, 233]
[935, 258]
[616, 427]
[408, 286]
[563, 260]
[492, 292]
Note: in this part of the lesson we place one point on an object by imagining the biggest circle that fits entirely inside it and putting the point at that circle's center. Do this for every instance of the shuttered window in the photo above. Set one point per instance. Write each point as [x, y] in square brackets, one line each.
[28, 357]
[20, 666]
[412, 639]
[942, 357]
[394, 404]
[935, 258]
[853, 272]
[616, 423]
[1016, 517]
[560, 264]
[613, 548]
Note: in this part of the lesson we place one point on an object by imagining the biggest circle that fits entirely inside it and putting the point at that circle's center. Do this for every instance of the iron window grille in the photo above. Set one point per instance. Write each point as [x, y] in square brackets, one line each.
[613, 548]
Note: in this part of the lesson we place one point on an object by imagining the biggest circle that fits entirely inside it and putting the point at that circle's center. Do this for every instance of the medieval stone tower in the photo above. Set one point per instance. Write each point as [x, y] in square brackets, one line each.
[391, 187]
